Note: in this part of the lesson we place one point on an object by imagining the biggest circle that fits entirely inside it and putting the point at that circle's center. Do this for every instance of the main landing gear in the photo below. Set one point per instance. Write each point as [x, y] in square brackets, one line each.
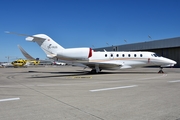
[161, 71]
[96, 69]
[93, 71]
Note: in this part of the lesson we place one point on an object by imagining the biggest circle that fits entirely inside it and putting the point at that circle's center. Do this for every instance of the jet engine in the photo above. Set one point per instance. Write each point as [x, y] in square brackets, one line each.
[76, 53]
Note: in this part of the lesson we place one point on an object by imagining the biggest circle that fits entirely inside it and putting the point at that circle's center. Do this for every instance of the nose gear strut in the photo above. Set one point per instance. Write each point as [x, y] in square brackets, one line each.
[161, 71]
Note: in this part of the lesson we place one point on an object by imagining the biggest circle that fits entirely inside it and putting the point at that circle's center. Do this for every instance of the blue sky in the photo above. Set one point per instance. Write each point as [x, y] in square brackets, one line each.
[85, 23]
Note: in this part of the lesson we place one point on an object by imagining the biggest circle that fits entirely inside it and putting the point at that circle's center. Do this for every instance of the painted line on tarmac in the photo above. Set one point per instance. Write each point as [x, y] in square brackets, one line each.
[14, 86]
[9, 99]
[100, 82]
[174, 81]
[81, 77]
[164, 75]
[114, 88]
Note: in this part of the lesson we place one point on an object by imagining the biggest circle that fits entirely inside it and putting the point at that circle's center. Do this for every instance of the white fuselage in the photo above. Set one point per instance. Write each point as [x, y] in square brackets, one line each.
[131, 59]
[123, 59]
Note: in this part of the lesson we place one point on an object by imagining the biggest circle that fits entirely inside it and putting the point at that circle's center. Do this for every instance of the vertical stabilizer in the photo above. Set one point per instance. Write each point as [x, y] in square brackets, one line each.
[49, 46]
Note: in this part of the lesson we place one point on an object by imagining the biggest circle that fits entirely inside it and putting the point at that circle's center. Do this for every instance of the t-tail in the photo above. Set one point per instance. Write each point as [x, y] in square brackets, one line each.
[53, 49]
[48, 45]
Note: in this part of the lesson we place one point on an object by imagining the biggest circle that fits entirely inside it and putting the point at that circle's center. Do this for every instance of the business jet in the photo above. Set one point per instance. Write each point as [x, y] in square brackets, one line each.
[97, 61]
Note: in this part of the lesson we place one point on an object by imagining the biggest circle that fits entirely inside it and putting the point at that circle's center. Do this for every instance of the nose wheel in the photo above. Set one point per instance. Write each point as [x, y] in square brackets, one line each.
[161, 71]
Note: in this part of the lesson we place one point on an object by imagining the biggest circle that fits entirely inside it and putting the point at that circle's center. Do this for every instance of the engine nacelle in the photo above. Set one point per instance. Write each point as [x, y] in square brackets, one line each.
[76, 53]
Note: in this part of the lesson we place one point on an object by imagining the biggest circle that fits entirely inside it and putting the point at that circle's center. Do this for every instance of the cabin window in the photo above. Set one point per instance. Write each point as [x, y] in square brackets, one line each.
[117, 55]
[123, 55]
[111, 55]
[129, 55]
[134, 55]
[105, 55]
[141, 55]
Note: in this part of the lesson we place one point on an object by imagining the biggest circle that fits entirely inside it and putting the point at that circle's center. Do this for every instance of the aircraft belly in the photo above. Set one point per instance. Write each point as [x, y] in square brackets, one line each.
[135, 63]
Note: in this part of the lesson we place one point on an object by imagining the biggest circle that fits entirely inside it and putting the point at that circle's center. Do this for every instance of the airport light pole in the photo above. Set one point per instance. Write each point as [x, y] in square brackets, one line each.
[125, 40]
[8, 57]
[149, 37]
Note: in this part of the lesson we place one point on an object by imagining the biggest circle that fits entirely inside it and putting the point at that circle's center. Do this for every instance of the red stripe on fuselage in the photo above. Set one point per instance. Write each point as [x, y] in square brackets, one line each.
[90, 53]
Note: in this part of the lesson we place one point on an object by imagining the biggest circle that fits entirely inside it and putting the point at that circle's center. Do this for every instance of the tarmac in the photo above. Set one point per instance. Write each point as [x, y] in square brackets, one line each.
[71, 93]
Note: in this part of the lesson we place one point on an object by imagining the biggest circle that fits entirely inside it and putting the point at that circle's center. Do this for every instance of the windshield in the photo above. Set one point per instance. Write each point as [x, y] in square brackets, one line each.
[155, 55]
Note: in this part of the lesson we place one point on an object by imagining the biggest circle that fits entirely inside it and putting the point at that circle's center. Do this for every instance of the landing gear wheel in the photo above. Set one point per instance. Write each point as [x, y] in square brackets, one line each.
[161, 71]
[93, 71]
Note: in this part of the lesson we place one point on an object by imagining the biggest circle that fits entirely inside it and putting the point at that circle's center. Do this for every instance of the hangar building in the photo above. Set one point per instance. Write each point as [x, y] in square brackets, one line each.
[169, 48]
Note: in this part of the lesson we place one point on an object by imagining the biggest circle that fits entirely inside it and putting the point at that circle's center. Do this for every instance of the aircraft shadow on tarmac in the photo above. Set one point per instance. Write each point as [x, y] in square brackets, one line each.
[81, 73]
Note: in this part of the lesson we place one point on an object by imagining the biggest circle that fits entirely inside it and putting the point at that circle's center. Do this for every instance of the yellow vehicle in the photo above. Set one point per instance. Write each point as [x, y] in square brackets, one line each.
[19, 63]
[24, 63]
[34, 62]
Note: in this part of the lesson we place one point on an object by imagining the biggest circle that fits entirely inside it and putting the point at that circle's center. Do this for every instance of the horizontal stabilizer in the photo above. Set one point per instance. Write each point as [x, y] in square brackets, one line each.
[29, 37]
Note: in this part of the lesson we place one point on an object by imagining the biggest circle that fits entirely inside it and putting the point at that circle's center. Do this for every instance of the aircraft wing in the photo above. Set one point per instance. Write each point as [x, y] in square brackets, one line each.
[25, 53]
[103, 65]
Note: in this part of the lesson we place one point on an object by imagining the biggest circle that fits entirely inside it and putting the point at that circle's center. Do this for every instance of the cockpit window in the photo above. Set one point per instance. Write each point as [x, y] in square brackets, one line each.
[155, 55]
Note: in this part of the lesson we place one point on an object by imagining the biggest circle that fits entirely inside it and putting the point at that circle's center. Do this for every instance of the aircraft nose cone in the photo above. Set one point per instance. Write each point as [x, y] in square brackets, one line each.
[168, 62]
[173, 62]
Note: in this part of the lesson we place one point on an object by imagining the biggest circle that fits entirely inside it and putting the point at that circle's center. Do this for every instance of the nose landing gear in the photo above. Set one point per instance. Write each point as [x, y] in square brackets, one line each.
[161, 71]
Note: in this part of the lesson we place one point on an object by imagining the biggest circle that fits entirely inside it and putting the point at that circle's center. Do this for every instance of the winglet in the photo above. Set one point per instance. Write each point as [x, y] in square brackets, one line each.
[7, 32]
[29, 57]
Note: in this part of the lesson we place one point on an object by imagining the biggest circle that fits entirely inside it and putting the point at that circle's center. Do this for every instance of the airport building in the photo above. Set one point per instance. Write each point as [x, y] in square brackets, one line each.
[169, 48]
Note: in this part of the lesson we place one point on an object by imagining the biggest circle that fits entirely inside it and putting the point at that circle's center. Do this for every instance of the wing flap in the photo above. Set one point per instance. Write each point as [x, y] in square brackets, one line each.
[103, 65]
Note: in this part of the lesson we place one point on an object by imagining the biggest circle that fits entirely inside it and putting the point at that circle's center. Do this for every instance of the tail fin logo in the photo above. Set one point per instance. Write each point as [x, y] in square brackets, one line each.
[50, 46]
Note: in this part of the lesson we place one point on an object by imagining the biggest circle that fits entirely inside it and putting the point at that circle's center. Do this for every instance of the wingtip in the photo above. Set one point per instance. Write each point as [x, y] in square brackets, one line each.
[6, 32]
